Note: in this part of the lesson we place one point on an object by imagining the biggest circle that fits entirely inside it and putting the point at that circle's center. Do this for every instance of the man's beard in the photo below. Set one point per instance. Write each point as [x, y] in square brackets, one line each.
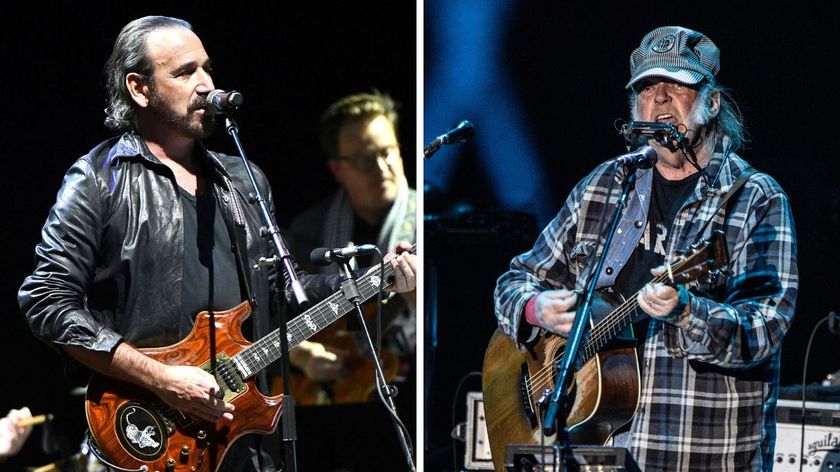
[202, 129]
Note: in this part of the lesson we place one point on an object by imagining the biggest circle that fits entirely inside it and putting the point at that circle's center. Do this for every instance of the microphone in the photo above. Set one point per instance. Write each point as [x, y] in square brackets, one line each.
[326, 256]
[642, 158]
[460, 133]
[221, 102]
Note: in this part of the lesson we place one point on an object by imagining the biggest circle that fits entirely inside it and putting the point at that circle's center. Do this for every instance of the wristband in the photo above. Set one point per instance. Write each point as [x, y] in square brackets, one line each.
[531, 311]
[684, 298]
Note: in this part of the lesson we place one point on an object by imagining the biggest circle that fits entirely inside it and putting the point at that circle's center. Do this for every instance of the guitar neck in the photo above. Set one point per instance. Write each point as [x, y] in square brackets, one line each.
[613, 324]
[263, 352]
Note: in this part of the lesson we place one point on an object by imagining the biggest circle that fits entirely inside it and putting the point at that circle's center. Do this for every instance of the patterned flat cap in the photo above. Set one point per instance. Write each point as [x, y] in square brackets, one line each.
[676, 53]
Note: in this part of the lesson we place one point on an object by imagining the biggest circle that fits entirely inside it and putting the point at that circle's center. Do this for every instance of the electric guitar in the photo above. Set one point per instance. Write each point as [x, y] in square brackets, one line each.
[136, 430]
[517, 383]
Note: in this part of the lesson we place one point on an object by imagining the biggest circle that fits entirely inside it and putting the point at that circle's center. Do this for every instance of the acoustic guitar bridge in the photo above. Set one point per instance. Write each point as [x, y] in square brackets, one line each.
[525, 396]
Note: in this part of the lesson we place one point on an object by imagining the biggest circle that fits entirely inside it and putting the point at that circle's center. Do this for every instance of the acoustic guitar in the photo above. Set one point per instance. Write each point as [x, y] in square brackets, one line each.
[517, 383]
[135, 430]
[356, 382]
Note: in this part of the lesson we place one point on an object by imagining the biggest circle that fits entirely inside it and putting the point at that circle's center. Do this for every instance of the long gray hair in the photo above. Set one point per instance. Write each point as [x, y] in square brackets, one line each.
[129, 55]
[727, 122]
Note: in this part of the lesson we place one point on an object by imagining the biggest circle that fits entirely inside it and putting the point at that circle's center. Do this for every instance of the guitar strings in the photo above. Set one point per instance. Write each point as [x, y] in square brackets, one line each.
[298, 328]
[544, 377]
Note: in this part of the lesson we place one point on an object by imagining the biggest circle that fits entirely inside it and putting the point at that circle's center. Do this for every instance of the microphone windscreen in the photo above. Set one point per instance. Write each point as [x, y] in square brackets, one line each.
[235, 98]
[463, 132]
[318, 256]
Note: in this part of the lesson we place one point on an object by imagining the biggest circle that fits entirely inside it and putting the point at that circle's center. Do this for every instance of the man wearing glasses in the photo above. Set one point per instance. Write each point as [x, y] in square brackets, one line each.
[373, 204]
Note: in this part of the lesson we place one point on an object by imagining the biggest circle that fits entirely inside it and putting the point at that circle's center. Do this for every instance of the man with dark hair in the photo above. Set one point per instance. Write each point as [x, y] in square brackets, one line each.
[709, 348]
[150, 228]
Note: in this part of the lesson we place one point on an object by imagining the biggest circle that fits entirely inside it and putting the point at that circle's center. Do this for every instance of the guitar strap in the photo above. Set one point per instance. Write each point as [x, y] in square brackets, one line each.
[725, 201]
[235, 221]
[234, 217]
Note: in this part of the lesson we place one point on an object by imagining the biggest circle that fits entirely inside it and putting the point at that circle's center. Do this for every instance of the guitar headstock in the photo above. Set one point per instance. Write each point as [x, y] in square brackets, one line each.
[701, 258]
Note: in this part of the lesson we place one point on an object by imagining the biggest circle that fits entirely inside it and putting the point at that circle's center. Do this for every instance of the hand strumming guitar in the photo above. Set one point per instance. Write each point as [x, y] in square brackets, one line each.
[317, 361]
[554, 310]
[186, 388]
[193, 391]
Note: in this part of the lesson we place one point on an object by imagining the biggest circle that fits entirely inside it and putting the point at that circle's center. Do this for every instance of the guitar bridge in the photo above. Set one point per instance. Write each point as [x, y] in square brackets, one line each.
[525, 396]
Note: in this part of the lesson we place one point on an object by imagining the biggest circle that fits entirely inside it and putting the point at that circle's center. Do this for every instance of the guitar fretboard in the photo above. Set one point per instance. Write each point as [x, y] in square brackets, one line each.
[267, 350]
[613, 324]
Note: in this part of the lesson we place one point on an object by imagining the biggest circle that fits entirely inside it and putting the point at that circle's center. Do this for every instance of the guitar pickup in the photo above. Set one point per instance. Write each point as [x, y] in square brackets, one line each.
[227, 376]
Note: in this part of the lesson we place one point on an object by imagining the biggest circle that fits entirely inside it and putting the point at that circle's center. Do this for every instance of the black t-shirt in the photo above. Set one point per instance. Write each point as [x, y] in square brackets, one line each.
[365, 233]
[210, 277]
[667, 196]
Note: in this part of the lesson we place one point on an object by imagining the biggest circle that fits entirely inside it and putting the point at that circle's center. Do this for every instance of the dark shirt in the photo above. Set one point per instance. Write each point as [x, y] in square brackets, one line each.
[210, 278]
[667, 197]
[365, 233]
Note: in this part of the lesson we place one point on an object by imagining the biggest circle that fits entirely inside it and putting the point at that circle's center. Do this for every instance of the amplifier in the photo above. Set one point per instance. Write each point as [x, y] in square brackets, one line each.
[822, 442]
[530, 458]
[822, 436]
[477, 452]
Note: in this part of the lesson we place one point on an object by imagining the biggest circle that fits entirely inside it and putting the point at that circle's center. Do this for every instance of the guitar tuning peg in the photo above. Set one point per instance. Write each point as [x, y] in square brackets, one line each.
[714, 276]
[718, 272]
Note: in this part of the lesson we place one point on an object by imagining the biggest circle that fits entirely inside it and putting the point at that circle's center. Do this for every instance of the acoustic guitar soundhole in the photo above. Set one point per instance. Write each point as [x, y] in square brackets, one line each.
[141, 431]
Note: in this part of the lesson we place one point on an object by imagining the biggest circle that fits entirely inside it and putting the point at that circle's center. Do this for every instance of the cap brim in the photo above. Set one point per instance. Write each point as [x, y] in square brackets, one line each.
[683, 76]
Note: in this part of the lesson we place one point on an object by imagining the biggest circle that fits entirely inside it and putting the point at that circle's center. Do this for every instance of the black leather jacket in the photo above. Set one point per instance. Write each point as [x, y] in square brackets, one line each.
[110, 259]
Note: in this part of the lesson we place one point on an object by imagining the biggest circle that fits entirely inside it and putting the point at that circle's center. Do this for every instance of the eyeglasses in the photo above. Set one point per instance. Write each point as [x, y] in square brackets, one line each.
[366, 162]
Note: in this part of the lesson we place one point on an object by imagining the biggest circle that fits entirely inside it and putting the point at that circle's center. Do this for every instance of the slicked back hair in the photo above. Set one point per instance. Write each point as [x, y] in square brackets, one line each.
[130, 55]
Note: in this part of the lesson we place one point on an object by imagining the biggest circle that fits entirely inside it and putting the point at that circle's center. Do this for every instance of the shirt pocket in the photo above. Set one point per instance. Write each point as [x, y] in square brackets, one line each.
[579, 255]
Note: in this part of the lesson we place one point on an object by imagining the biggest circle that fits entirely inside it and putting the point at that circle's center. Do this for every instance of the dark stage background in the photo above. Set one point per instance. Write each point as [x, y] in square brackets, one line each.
[289, 59]
[543, 83]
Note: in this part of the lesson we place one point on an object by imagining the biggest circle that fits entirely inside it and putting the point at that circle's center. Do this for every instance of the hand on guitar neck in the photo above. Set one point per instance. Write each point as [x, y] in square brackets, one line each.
[660, 300]
[404, 264]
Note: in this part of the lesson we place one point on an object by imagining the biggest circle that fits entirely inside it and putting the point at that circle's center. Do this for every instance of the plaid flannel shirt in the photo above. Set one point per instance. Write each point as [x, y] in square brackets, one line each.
[708, 392]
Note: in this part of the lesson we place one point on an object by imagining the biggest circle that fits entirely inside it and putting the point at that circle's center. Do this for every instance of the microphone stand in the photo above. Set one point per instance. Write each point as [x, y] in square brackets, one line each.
[351, 293]
[281, 259]
[559, 406]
